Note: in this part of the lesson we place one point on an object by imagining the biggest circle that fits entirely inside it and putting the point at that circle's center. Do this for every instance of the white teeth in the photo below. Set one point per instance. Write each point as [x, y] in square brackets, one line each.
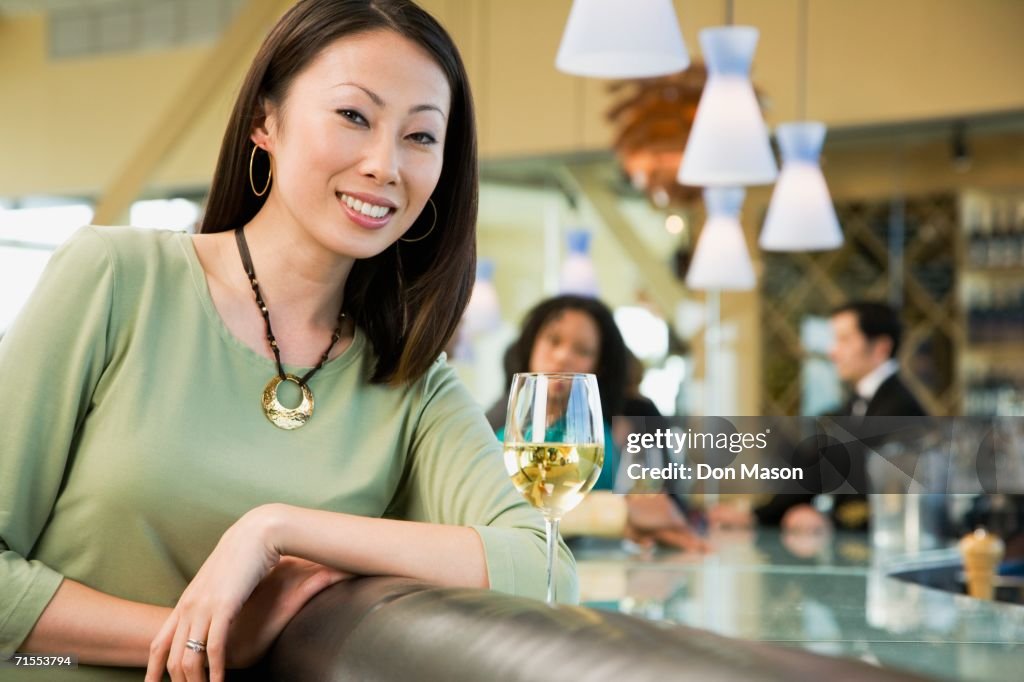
[367, 209]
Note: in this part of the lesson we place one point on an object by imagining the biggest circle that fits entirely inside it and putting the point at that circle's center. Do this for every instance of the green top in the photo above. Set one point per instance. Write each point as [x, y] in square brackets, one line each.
[133, 436]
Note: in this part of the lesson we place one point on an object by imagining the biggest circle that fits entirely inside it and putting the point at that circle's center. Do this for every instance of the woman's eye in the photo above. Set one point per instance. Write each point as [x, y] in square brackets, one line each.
[423, 138]
[353, 116]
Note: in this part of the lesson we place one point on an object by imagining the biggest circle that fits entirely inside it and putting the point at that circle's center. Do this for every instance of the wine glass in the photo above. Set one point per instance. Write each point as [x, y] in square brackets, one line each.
[554, 446]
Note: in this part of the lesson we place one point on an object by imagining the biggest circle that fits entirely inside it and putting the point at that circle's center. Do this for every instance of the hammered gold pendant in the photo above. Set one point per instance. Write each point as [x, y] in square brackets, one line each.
[283, 417]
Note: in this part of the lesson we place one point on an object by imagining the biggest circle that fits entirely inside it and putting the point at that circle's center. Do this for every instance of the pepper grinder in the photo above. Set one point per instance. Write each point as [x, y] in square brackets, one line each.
[981, 551]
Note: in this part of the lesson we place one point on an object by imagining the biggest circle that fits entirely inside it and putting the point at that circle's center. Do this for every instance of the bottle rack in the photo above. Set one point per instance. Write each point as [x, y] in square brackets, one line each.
[926, 234]
[994, 391]
[992, 297]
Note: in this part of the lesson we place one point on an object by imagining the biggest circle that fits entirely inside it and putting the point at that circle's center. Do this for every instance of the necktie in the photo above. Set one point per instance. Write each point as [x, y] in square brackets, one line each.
[859, 407]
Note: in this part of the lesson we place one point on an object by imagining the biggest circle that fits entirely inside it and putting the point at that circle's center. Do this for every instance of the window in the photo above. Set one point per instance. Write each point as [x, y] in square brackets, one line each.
[31, 233]
[28, 237]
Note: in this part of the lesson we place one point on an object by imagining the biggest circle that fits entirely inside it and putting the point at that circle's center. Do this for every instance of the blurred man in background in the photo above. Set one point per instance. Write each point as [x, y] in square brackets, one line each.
[866, 338]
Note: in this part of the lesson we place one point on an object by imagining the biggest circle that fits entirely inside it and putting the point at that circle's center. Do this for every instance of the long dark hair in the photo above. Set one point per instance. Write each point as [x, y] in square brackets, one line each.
[409, 298]
[611, 361]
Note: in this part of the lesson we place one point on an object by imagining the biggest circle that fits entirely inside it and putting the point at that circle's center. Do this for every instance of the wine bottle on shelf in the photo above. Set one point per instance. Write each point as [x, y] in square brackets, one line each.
[1011, 316]
[988, 231]
[993, 393]
[976, 248]
[972, 303]
[970, 394]
[997, 245]
[1001, 228]
[1009, 249]
[997, 318]
[1019, 233]
[1009, 312]
[992, 385]
[1016, 315]
[1010, 294]
[980, 394]
[984, 313]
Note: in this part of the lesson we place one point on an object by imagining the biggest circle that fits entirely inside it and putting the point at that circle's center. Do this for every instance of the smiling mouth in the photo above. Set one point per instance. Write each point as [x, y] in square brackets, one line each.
[372, 211]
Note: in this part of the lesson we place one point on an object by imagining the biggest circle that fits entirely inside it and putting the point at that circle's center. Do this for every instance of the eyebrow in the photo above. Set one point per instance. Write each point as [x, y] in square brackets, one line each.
[380, 102]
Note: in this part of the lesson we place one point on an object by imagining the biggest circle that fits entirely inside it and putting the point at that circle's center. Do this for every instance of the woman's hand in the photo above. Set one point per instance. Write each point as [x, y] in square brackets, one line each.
[215, 608]
[273, 604]
[655, 518]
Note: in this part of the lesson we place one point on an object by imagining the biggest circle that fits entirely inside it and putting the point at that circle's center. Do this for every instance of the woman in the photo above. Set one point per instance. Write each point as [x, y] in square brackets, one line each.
[577, 334]
[168, 495]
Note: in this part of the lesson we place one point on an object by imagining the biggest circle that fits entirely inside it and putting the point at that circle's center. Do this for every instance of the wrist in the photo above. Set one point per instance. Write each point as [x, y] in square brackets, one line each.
[269, 522]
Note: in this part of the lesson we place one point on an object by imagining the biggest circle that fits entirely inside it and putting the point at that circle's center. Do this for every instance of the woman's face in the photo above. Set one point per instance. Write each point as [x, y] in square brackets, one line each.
[358, 143]
[570, 342]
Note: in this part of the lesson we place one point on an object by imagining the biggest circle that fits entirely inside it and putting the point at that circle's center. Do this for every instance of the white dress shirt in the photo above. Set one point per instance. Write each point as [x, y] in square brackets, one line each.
[869, 383]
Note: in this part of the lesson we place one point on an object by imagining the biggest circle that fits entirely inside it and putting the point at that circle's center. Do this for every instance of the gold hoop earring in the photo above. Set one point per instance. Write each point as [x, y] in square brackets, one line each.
[270, 173]
[432, 225]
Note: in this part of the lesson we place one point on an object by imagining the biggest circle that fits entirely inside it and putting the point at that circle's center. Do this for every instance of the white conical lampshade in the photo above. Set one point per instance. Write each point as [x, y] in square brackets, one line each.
[728, 144]
[721, 259]
[801, 216]
[622, 39]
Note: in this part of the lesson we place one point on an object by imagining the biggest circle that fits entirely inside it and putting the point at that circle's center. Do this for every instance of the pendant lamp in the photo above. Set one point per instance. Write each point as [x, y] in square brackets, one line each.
[483, 312]
[721, 260]
[728, 144]
[578, 275]
[801, 216]
[622, 39]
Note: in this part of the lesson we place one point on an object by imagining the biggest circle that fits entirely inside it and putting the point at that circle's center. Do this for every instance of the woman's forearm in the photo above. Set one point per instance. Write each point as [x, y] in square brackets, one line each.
[98, 628]
[435, 553]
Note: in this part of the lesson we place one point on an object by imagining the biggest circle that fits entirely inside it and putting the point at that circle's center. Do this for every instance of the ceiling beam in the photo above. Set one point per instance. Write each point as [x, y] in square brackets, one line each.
[171, 124]
[663, 287]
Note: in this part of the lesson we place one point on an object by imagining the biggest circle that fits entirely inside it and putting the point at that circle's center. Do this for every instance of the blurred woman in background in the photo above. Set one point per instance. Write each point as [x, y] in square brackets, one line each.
[577, 334]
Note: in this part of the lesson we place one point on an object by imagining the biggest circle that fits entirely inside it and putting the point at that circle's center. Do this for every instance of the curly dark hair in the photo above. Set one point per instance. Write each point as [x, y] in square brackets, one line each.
[611, 360]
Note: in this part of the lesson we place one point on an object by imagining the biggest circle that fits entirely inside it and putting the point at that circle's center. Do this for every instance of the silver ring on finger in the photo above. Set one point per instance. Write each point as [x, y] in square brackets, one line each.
[196, 645]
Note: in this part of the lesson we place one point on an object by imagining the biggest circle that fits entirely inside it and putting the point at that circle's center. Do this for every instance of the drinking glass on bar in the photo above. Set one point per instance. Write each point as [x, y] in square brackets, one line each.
[554, 446]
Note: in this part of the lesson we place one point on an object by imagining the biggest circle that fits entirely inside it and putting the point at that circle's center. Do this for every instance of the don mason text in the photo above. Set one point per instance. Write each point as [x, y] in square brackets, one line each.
[706, 472]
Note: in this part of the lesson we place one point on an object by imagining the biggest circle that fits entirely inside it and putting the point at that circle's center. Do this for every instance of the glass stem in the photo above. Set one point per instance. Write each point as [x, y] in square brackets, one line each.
[551, 528]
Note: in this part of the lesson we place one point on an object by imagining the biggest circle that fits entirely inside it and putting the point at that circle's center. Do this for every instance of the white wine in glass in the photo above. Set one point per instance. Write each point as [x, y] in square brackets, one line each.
[554, 446]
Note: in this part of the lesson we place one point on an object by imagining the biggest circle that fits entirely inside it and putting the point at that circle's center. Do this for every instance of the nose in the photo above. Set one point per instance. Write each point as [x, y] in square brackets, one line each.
[380, 161]
[562, 356]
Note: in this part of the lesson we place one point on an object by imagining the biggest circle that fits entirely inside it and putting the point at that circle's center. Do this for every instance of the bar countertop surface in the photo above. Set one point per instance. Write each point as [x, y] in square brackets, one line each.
[833, 595]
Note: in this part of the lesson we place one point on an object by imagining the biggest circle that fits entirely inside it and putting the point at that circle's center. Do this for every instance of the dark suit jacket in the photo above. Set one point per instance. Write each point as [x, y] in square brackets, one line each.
[892, 399]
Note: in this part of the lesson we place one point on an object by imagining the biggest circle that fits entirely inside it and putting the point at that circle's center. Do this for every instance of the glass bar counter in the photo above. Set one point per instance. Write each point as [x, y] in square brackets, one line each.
[831, 594]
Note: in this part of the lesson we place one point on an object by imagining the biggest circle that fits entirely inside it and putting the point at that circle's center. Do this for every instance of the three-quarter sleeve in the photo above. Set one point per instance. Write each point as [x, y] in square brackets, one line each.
[456, 475]
[51, 359]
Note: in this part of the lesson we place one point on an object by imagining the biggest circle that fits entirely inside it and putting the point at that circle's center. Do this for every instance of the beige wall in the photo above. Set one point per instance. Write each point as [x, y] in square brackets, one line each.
[69, 125]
